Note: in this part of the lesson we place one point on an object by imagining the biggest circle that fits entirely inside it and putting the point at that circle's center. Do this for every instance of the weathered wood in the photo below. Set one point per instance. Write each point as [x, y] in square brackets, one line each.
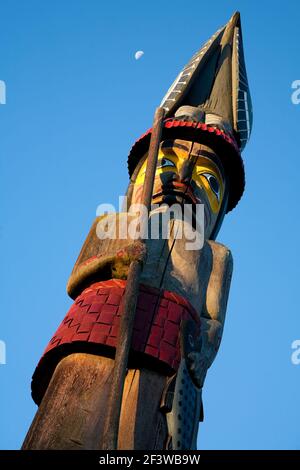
[73, 410]
[69, 416]
[124, 340]
[130, 298]
[142, 425]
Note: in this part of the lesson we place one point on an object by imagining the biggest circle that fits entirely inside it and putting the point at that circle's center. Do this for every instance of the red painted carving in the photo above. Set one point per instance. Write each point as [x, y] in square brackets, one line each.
[94, 319]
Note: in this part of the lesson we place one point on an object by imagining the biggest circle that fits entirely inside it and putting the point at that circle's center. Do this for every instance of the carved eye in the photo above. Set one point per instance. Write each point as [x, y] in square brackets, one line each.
[213, 183]
[164, 162]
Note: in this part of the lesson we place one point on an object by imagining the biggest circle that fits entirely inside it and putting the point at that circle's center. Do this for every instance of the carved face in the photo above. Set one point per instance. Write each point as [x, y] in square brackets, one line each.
[187, 172]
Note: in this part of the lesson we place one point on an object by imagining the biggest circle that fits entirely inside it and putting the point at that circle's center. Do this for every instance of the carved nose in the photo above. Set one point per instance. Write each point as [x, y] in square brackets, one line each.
[168, 177]
[186, 171]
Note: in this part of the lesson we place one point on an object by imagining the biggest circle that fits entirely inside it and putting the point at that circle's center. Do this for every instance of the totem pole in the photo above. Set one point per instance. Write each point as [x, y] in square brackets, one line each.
[126, 367]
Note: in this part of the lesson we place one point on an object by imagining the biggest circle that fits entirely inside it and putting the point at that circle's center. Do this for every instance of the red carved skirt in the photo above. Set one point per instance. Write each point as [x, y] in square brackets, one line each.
[92, 324]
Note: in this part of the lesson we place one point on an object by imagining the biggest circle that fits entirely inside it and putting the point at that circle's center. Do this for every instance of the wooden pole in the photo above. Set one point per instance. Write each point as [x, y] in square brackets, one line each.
[72, 413]
[111, 427]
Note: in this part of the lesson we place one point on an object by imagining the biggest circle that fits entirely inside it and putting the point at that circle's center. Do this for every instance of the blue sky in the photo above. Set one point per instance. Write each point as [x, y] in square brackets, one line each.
[76, 101]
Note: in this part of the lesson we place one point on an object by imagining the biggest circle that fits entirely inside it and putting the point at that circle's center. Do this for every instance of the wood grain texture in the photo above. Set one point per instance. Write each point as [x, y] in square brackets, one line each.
[73, 410]
[142, 425]
[71, 413]
[121, 358]
[219, 282]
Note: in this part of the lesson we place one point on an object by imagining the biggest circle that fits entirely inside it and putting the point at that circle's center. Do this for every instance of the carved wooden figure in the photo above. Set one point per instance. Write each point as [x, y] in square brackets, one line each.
[183, 289]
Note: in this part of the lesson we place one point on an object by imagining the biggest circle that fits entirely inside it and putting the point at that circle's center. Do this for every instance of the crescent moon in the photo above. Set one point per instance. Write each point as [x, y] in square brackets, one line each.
[138, 55]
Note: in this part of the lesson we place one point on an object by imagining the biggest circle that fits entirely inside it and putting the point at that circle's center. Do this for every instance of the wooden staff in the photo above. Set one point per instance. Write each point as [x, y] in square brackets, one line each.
[111, 427]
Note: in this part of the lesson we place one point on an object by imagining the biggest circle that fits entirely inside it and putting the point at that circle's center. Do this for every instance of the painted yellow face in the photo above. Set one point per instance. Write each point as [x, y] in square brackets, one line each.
[206, 174]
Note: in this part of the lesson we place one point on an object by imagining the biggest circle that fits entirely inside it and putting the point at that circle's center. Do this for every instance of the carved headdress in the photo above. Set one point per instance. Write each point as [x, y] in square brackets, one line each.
[209, 102]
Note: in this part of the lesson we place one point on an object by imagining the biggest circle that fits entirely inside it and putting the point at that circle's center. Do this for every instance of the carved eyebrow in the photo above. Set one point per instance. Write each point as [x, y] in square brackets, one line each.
[171, 144]
[205, 153]
[214, 159]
